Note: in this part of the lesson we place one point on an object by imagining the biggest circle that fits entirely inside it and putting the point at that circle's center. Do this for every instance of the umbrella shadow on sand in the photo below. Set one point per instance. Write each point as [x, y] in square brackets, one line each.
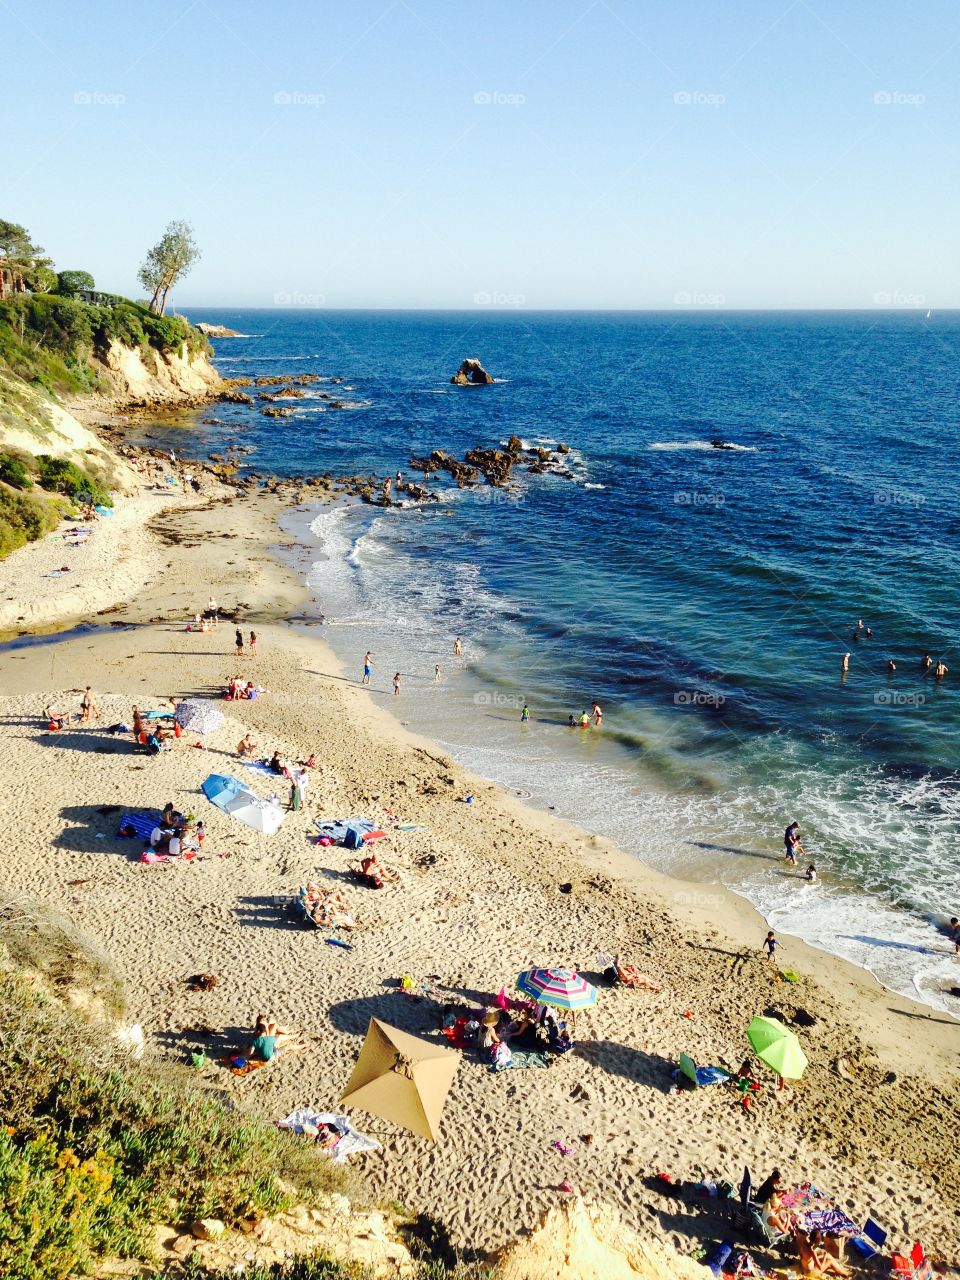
[622, 1060]
[94, 831]
[111, 744]
[418, 1017]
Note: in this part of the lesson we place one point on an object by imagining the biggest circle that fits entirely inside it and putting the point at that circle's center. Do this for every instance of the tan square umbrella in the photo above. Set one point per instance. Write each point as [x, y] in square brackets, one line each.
[402, 1078]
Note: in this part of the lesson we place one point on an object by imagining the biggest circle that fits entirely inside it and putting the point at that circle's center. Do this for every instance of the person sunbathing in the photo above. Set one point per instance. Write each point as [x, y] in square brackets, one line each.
[631, 976]
[57, 719]
[376, 872]
[270, 1038]
[776, 1217]
[815, 1258]
[331, 912]
[246, 746]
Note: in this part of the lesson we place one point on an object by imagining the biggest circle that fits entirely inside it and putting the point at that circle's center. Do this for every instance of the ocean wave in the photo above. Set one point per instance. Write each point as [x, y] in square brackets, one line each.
[673, 445]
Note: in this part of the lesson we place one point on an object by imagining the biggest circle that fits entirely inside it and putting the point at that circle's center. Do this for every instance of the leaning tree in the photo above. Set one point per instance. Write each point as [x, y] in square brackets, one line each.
[23, 264]
[167, 262]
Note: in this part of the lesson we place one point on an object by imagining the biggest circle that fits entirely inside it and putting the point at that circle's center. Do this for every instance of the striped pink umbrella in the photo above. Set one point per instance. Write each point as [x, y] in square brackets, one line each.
[561, 988]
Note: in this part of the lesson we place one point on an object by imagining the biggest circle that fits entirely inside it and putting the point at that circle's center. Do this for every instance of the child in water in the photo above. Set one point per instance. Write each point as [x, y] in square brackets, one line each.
[811, 874]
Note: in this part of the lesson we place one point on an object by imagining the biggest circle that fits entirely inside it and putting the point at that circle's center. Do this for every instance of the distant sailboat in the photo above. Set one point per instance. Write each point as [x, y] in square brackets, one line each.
[928, 315]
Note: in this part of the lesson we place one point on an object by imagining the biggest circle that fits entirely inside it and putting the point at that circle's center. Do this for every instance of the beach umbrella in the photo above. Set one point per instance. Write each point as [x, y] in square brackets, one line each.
[561, 988]
[221, 787]
[778, 1047]
[260, 815]
[198, 715]
[402, 1078]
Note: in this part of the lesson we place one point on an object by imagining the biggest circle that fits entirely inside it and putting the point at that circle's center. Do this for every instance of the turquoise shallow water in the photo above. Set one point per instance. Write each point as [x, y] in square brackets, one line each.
[704, 596]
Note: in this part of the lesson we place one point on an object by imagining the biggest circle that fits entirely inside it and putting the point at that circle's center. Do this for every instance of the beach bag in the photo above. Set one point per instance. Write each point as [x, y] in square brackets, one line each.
[353, 838]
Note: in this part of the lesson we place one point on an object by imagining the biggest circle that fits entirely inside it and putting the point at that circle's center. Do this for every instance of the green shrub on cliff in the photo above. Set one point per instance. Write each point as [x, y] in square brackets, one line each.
[56, 340]
[60, 476]
[24, 517]
[15, 472]
[97, 1149]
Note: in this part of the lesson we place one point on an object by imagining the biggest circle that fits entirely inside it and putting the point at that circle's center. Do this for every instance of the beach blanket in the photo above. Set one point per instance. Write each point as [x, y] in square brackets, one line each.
[351, 1141]
[138, 824]
[833, 1220]
[157, 715]
[337, 828]
[260, 766]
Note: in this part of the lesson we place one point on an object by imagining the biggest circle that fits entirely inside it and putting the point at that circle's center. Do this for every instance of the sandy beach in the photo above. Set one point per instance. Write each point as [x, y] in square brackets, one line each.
[488, 889]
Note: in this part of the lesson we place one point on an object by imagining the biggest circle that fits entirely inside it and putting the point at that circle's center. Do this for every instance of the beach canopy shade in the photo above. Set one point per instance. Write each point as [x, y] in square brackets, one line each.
[233, 797]
[778, 1047]
[198, 715]
[561, 988]
[402, 1078]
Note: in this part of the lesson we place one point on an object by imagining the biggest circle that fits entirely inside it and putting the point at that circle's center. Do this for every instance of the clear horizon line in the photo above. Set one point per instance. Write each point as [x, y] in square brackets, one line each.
[506, 311]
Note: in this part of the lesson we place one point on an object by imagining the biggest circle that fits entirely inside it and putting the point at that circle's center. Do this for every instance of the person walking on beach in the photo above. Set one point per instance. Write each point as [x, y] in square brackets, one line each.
[771, 943]
[436, 674]
[457, 648]
[597, 714]
[239, 639]
[367, 667]
[253, 644]
[88, 706]
[791, 843]
[396, 685]
[213, 611]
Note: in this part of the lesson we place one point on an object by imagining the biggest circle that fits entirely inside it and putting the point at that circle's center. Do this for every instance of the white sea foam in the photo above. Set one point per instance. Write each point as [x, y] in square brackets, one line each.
[672, 445]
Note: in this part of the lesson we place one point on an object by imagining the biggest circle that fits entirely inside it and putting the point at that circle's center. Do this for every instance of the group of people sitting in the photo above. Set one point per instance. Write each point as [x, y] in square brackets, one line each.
[819, 1252]
[176, 835]
[325, 908]
[152, 735]
[237, 689]
[532, 1029]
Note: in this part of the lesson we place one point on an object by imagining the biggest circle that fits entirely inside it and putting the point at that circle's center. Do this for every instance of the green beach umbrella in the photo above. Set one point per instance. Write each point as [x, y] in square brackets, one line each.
[778, 1047]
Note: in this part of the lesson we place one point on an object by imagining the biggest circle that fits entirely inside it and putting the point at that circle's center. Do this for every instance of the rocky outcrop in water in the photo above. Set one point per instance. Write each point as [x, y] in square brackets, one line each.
[216, 330]
[494, 465]
[471, 374]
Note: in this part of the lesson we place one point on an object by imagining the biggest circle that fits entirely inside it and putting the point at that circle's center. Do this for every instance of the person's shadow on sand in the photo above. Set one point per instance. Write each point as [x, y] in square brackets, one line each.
[268, 911]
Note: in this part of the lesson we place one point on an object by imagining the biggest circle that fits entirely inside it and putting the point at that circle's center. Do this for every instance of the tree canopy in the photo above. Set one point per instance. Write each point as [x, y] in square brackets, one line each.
[70, 283]
[167, 262]
[20, 260]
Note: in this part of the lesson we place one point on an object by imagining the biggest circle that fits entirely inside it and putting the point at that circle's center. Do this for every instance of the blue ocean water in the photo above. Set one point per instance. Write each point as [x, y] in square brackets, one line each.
[705, 597]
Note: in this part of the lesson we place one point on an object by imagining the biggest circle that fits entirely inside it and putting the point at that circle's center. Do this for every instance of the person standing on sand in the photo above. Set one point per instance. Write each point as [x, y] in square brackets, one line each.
[457, 648]
[213, 611]
[396, 685]
[771, 943]
[597, 714]
[791, 843]
[253, 644]
[436, 674]
[239, 639]
[88, 706]
[367, 667]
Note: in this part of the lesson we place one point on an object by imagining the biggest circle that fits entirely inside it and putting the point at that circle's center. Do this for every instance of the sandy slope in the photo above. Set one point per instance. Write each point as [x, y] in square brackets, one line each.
[481, 900]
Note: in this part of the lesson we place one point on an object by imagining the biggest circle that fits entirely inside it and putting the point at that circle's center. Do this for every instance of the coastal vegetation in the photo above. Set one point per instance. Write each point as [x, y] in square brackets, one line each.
[168, 261]
[96, 1148]
[36, 491]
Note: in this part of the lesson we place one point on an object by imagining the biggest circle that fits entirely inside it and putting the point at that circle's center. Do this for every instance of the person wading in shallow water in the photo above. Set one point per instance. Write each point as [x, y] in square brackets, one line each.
[367, 667]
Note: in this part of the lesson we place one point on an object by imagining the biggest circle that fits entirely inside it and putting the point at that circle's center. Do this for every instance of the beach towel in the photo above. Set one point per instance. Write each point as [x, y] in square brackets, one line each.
[138, 824]
[351, 1141]
[337, 828]
[259, 766]
[699, 1077]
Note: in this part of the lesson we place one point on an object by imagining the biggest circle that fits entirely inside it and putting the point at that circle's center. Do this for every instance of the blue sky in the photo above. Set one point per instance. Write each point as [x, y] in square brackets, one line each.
[415, 153]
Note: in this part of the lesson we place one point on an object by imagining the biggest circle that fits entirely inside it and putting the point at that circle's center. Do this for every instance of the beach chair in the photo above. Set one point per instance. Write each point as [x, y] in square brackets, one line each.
[871, 1239]
[914, 1267]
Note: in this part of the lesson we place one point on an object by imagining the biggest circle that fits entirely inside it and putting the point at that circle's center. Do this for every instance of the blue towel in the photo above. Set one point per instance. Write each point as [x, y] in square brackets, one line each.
[141, 823]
